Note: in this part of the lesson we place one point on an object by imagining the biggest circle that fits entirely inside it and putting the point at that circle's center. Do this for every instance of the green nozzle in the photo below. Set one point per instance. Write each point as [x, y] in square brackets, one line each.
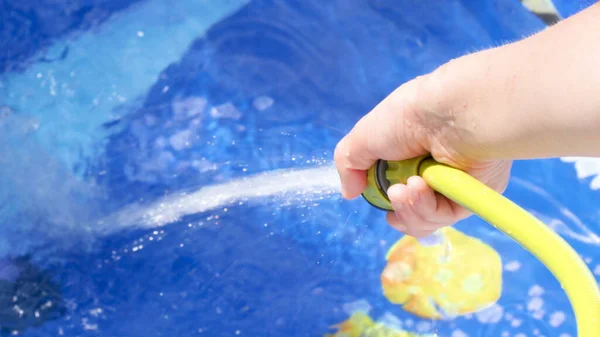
[384, 174]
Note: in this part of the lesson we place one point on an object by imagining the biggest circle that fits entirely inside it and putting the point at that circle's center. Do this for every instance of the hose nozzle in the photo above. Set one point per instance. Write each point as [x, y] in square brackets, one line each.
[384, 174]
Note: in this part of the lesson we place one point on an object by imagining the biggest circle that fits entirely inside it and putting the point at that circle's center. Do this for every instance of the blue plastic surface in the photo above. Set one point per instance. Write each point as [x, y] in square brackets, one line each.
[274, 85]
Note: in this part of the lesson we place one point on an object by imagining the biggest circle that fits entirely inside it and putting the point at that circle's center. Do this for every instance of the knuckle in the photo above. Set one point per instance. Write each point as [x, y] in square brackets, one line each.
[342, 155]
[408, 96]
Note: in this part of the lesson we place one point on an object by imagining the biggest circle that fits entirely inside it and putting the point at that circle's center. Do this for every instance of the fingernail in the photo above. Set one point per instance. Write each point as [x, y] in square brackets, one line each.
[401, 228]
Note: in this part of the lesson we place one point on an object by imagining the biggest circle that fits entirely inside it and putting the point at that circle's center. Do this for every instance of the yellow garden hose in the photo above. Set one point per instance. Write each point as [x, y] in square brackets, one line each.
[547, 246]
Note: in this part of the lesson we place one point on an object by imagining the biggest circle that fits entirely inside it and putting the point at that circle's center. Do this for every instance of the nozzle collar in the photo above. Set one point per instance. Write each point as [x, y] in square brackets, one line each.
[384, 174]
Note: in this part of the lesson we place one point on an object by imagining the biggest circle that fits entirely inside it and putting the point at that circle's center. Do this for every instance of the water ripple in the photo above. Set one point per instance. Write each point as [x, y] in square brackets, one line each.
[567, 223]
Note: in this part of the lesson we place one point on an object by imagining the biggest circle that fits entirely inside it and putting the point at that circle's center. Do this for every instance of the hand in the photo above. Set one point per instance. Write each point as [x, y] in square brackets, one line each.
[528, 99]
[430, 114]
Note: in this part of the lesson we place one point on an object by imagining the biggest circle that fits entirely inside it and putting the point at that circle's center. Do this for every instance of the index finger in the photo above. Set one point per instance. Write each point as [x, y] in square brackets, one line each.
[353, 157]
[384, 133]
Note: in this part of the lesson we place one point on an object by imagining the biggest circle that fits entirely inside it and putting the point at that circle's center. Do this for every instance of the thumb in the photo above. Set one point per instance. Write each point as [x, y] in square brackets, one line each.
[384, 133]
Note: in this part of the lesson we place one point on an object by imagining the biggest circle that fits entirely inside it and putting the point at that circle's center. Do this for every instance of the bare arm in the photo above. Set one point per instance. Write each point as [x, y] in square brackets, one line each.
[536, 98]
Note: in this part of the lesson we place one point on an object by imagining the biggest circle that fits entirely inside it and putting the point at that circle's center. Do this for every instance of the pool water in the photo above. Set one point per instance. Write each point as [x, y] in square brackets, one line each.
[135, 135]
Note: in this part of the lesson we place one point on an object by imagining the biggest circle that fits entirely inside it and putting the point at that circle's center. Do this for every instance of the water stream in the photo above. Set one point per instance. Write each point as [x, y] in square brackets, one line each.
[288, 186]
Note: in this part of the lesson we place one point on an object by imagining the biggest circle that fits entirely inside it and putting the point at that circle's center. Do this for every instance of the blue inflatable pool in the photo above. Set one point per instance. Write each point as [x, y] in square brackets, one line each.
[166, 167]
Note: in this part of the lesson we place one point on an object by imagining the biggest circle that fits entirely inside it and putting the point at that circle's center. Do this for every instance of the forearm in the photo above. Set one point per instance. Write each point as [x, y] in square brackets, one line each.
[539, 97]
[565, 76]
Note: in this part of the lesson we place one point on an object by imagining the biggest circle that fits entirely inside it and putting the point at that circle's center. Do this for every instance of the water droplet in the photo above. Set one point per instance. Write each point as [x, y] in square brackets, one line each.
[557, 318]
[536, 291]
[512, 266]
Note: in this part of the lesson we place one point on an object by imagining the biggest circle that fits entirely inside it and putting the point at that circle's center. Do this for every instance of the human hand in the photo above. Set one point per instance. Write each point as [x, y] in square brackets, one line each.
[436, 114]
[523, 100]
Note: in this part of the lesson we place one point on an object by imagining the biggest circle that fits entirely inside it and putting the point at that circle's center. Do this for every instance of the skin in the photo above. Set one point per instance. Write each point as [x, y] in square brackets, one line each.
[538, 97]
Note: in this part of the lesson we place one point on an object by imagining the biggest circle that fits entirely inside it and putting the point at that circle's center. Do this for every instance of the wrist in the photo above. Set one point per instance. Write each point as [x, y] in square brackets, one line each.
[465, 108]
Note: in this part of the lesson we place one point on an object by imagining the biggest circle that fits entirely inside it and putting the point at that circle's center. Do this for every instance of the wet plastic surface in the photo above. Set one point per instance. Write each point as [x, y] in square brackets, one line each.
[274, 84]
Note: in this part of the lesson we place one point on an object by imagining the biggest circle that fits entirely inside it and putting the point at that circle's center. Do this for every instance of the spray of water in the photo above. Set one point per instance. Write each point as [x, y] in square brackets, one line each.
[287, 185]
[52, 113]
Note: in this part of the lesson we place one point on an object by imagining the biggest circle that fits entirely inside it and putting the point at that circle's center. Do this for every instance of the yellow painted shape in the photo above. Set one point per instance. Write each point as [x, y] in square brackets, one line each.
[361, 325]
[462, 275]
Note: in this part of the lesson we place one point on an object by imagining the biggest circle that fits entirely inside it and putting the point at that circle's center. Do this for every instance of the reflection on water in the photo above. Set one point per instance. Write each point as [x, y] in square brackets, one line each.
[564, 222]
[586, 168]
[28, 296]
